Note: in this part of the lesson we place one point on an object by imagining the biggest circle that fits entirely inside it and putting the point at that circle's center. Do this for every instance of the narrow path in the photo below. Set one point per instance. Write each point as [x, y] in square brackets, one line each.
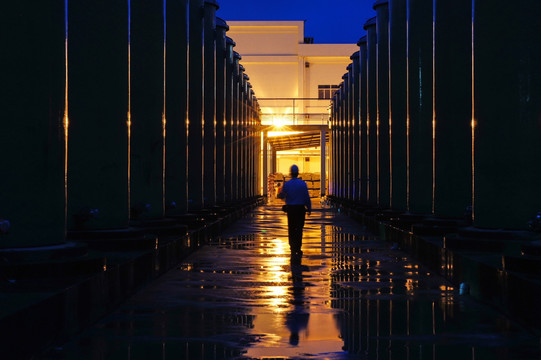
[353, 297]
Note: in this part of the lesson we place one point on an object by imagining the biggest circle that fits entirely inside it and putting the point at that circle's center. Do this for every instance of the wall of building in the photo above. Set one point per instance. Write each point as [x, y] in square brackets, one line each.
[281, 65]
[305, 162]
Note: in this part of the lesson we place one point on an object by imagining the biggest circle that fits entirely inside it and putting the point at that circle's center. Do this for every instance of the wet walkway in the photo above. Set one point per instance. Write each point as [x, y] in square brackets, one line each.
[352, 297]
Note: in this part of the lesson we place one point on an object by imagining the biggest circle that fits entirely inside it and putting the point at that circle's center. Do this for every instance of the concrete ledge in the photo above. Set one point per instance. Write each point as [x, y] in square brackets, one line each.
[495, 268]
[39, 312]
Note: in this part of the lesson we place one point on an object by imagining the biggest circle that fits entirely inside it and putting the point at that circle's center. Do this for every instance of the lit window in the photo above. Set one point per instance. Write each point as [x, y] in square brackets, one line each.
[327, 91]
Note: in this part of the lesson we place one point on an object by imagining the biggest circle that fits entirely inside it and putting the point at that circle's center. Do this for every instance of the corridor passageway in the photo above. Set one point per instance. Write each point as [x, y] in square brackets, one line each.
[142, 147]
[353, 296]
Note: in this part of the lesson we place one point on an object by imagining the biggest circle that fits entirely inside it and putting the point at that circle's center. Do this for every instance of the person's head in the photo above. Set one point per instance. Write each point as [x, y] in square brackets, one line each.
[294, 171]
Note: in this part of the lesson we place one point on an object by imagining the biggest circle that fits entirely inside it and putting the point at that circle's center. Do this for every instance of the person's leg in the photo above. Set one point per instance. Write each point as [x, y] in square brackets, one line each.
[291, 229]
[297, 223]
[300, 227]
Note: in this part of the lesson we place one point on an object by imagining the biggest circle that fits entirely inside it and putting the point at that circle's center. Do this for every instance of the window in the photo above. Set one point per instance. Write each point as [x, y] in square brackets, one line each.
[327, 91]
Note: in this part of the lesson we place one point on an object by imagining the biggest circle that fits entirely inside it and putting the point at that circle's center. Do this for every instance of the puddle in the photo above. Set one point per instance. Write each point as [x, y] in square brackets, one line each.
[352, 297]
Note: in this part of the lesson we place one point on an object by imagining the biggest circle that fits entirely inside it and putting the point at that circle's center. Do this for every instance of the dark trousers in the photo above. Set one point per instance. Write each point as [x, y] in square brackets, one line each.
[295, 223]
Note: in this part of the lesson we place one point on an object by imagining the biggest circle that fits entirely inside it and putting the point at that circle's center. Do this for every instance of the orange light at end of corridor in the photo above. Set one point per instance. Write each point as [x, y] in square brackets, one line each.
[278, 122]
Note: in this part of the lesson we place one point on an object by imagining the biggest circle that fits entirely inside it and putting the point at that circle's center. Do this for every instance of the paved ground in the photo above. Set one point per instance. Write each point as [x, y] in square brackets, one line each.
[352, 297]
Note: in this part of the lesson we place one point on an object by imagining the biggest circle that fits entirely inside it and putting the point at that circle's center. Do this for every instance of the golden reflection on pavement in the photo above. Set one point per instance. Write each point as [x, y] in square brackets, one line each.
[295, 318]
[274, 272]
[353, 296]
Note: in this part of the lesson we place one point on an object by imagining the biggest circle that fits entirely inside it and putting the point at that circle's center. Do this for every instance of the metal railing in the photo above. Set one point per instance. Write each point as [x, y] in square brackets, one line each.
[294, 111]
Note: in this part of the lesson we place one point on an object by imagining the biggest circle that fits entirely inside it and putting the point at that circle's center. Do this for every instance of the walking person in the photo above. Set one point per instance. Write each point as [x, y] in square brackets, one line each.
[295, 193]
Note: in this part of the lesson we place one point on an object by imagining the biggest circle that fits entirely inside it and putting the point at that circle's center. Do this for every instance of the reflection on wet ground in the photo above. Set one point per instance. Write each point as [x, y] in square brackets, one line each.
[352, 297]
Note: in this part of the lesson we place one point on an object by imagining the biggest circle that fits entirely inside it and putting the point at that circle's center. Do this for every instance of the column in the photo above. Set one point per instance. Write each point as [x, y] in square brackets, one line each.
[252, 153]
[244, 135]
[265, 165]
[209, 95]
[338, 186]
[257, 150]
[323, 157]
[363, 125]
[256, 146]
[342, 166]
[176, 108]
[235, 125]
[333, 155]
[33, 95]
[383, 134]
[347, 136]
[453, 108]
[507, 112]
[337, 148]
[147, 110]
[372, 112]
[350, 133]
[229, 121]
[221, 91]
[356, 117]
[243, 93]
[273, 160]
[195, 107]
[420, 90]
[99, 115]
[398, 102]
[331, 151]
[240, 133]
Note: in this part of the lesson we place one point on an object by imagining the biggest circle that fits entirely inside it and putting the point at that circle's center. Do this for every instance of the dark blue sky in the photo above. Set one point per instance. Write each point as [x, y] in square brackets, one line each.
[329, 21]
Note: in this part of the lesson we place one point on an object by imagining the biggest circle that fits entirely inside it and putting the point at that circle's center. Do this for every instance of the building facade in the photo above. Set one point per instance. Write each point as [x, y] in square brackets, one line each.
[293, 77]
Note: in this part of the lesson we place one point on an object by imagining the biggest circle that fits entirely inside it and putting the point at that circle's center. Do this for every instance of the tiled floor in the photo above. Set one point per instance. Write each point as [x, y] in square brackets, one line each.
[352, 297]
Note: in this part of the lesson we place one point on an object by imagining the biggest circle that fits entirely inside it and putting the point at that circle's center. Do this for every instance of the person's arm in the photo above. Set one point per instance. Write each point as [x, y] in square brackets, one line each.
[281, 192]
[307, 201]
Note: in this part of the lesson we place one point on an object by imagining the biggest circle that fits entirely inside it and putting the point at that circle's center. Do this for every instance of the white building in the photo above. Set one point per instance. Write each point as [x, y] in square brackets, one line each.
[283, 64]
[293, 79]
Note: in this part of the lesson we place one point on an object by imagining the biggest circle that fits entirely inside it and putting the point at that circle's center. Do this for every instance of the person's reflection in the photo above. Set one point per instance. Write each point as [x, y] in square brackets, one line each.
[297, 319]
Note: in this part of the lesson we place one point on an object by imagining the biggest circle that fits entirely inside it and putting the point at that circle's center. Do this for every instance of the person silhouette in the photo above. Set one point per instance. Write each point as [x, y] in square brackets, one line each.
[298, 204]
